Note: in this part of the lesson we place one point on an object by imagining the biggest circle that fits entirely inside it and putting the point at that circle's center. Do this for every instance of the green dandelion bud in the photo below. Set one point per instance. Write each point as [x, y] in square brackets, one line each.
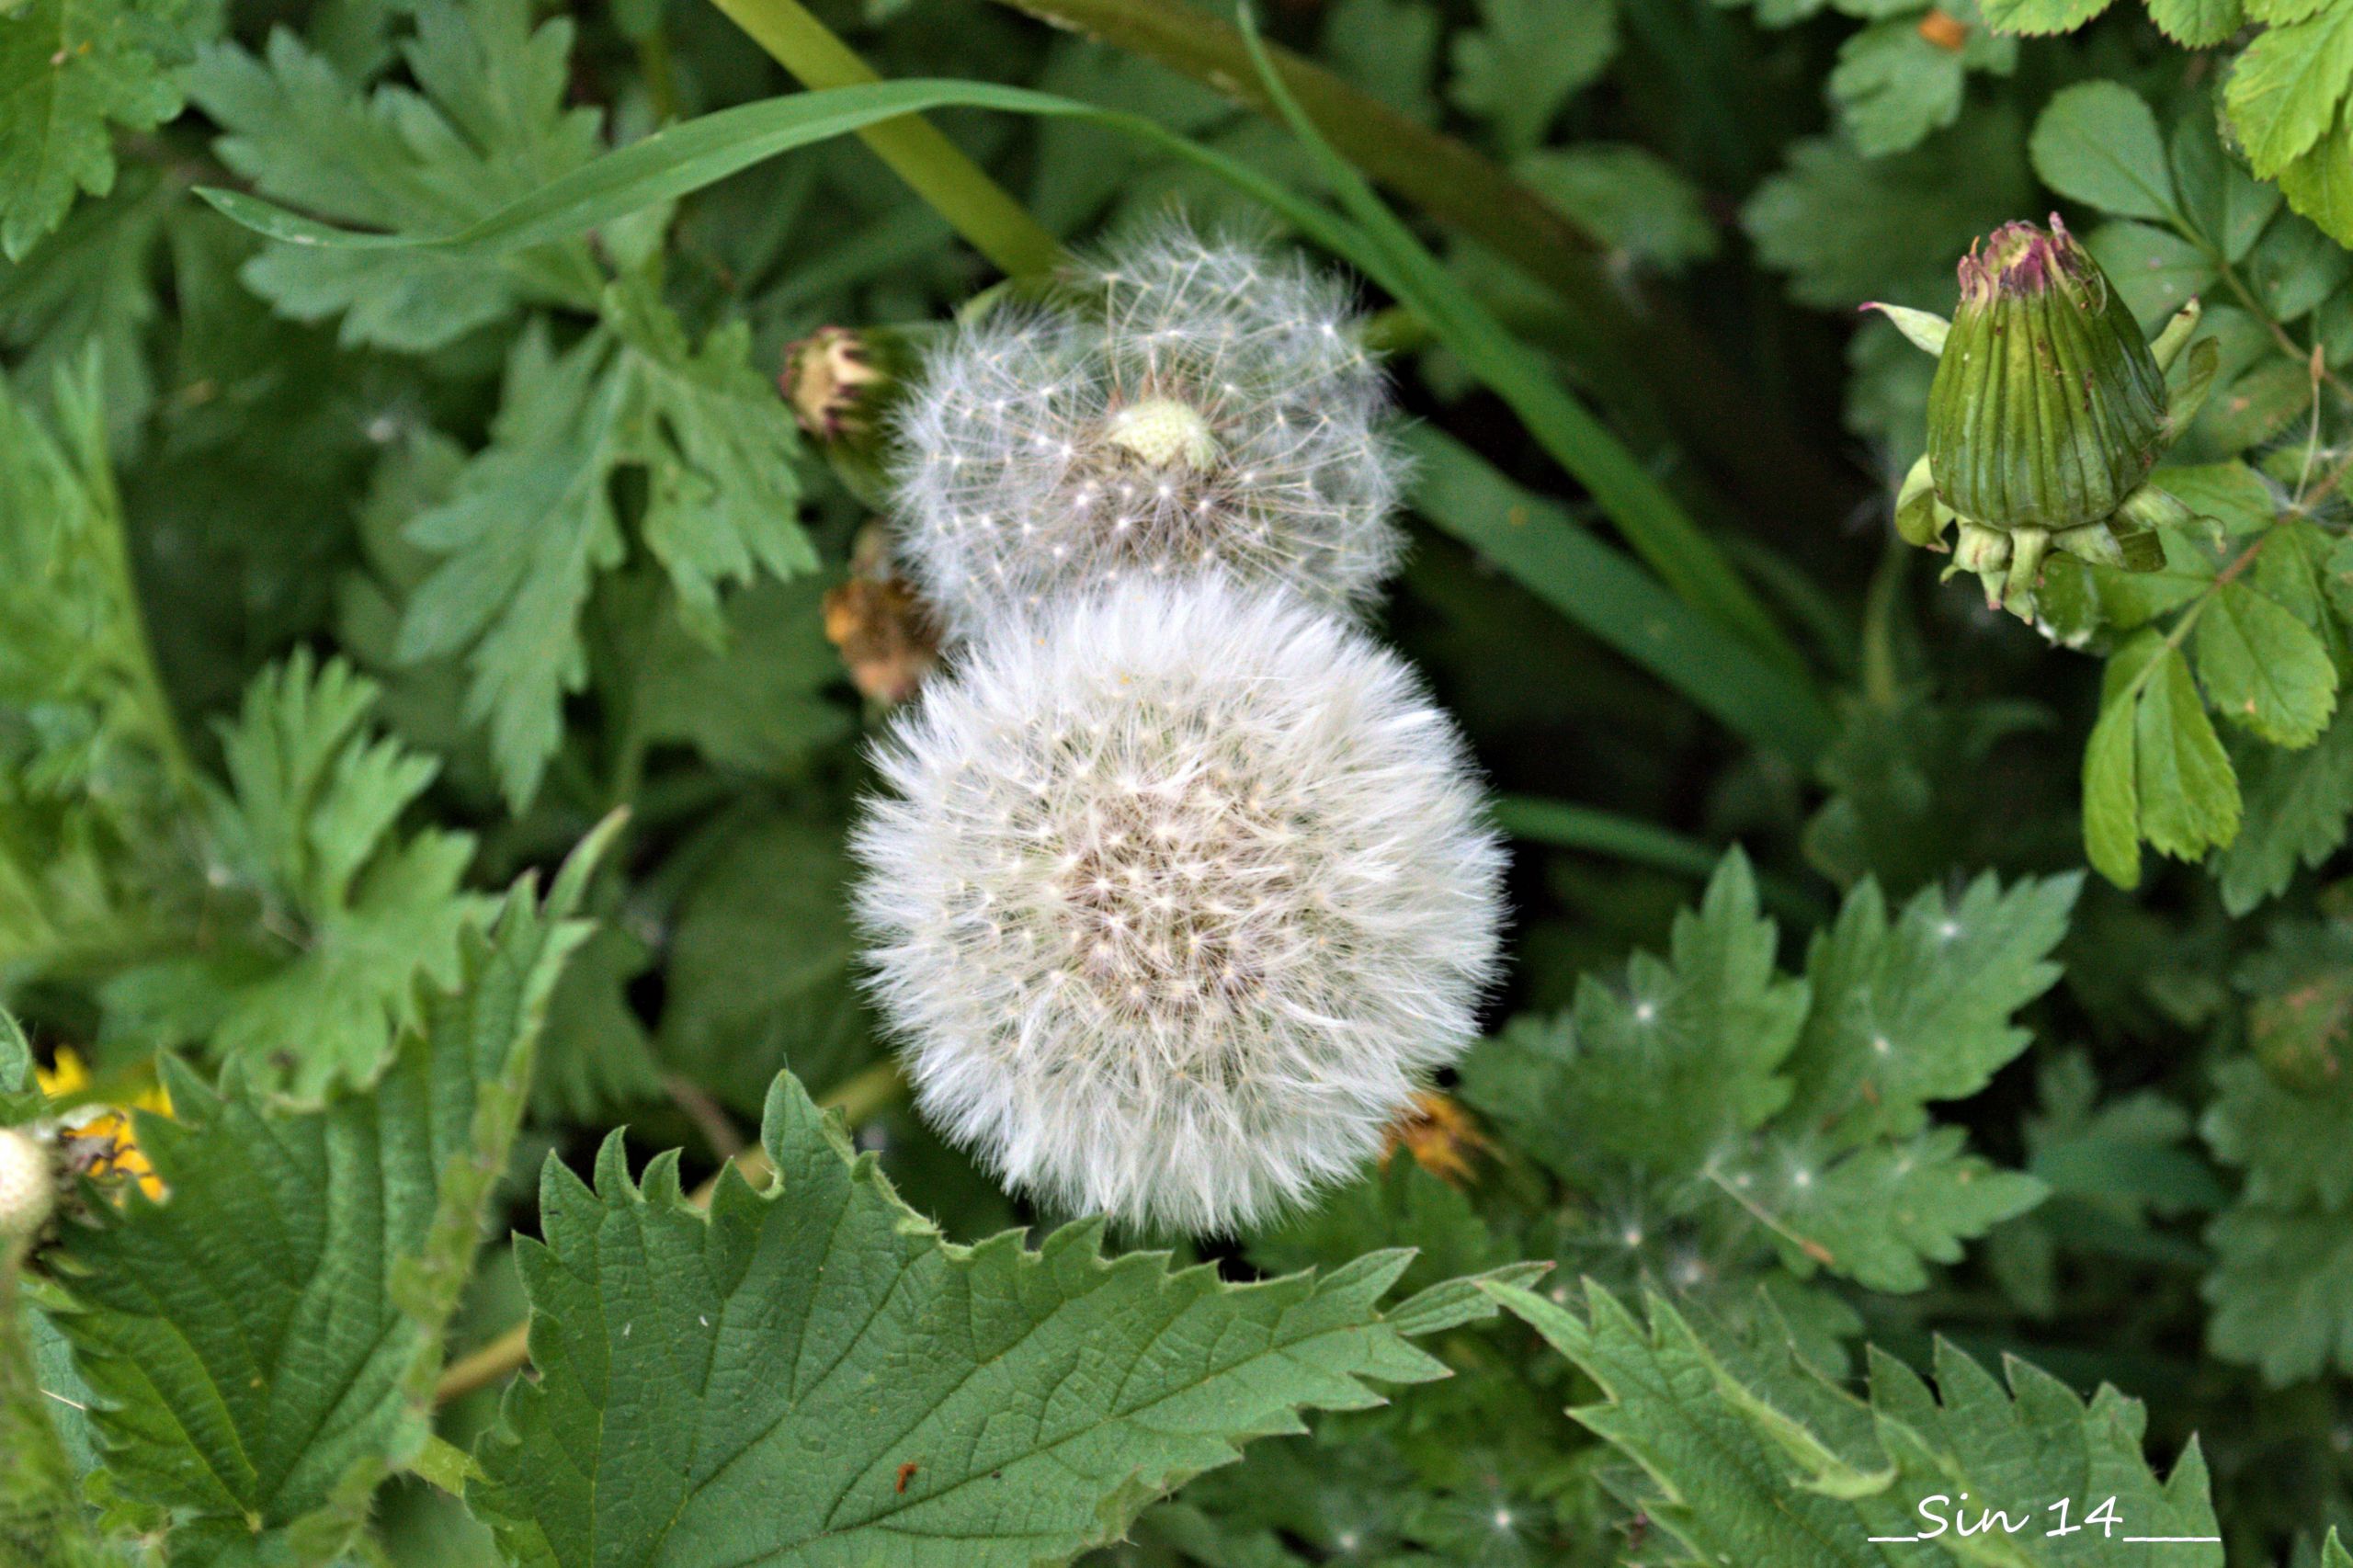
[2048, 413]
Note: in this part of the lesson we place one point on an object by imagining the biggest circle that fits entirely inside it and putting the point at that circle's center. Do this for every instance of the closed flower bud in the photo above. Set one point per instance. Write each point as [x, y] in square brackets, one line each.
[2048, 409]
[2048, 413]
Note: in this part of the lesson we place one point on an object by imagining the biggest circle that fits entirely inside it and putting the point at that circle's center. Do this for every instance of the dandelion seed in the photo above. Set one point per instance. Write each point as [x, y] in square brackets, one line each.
[1212, 395]
[1255, 901]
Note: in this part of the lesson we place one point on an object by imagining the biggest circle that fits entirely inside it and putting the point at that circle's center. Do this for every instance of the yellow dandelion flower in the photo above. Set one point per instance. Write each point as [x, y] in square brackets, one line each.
[105, 1129]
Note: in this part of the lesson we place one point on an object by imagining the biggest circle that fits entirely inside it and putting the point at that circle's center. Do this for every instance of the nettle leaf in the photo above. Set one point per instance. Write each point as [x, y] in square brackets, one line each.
[490, 125]
[1894, 84]
[1756, 1457]
[71, 72]
[2153, 768]
[813, 1376]
[1664, 1067]
[532, 521]
[263, 1343]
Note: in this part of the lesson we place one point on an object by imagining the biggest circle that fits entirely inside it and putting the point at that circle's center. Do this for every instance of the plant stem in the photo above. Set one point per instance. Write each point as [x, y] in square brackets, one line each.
[1641, 340]
[859, 1099]
[954, 187]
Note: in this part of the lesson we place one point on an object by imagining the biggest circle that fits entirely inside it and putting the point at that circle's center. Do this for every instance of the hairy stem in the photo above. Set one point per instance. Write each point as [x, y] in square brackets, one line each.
[954, 187]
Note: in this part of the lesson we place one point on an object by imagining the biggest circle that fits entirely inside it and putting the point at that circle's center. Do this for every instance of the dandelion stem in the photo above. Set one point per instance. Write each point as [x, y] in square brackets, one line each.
[955, 187]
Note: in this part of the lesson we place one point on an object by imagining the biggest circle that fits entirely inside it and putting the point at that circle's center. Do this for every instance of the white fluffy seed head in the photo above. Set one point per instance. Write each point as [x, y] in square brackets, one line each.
[1184, 889]
[1201, 406]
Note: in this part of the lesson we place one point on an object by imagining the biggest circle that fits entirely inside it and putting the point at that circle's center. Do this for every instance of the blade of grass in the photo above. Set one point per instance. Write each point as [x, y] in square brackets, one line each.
[1640, 507]
[1760, 698]
[1608, 594]
[1633, 343]
[1566, 826]
[951, 183]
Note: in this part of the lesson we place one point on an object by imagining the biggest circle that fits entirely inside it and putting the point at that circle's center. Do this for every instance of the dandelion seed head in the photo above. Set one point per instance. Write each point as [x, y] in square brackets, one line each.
[1196, 405]
[1182, 890]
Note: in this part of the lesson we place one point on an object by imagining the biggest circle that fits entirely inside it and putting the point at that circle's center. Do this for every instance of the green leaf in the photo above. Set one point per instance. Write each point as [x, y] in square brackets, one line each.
[2263, 668]
[718, 446]
[1755, 1457]
[2281, 1291]
[1663, 1067]
[2155, 271]
[2295, 268]
[490, 125]
[2097, 142]
[70, 71]
[2284, 93]
[750, 1386]
[2041, 15]
[1879, 1214]
[2154, 768]
[1892, 85]
[1627, 198]
[2297, 804]
[1848, 229]
[531, 523]
[2225, 203]
[1520, 64]
[264, 1342]
[353, 911]
[2198, 24]
[1919, 1008]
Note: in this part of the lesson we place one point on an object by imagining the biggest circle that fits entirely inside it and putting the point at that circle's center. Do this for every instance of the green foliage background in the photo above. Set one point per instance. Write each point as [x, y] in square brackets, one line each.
[1923, 1058]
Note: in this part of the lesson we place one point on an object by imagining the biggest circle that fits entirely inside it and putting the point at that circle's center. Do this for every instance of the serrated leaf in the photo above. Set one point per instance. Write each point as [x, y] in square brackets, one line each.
[2284, 93]
[1627, 198]
[2296, 809]
[2097, 142]
[2041, 15]
[2197, 24]
[1661, 1069]
[2154, 766]
[1919, 1008]
[70, 71]
[1879, 1214]
[749, 1387]
[1756, 1458]
[1847, 228]
[1893, 86]
[489, 125]
[531, 523]
[1520, 64]
[2281, 1291]
[353, 913]
[263, 1343]
[2264, 668]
